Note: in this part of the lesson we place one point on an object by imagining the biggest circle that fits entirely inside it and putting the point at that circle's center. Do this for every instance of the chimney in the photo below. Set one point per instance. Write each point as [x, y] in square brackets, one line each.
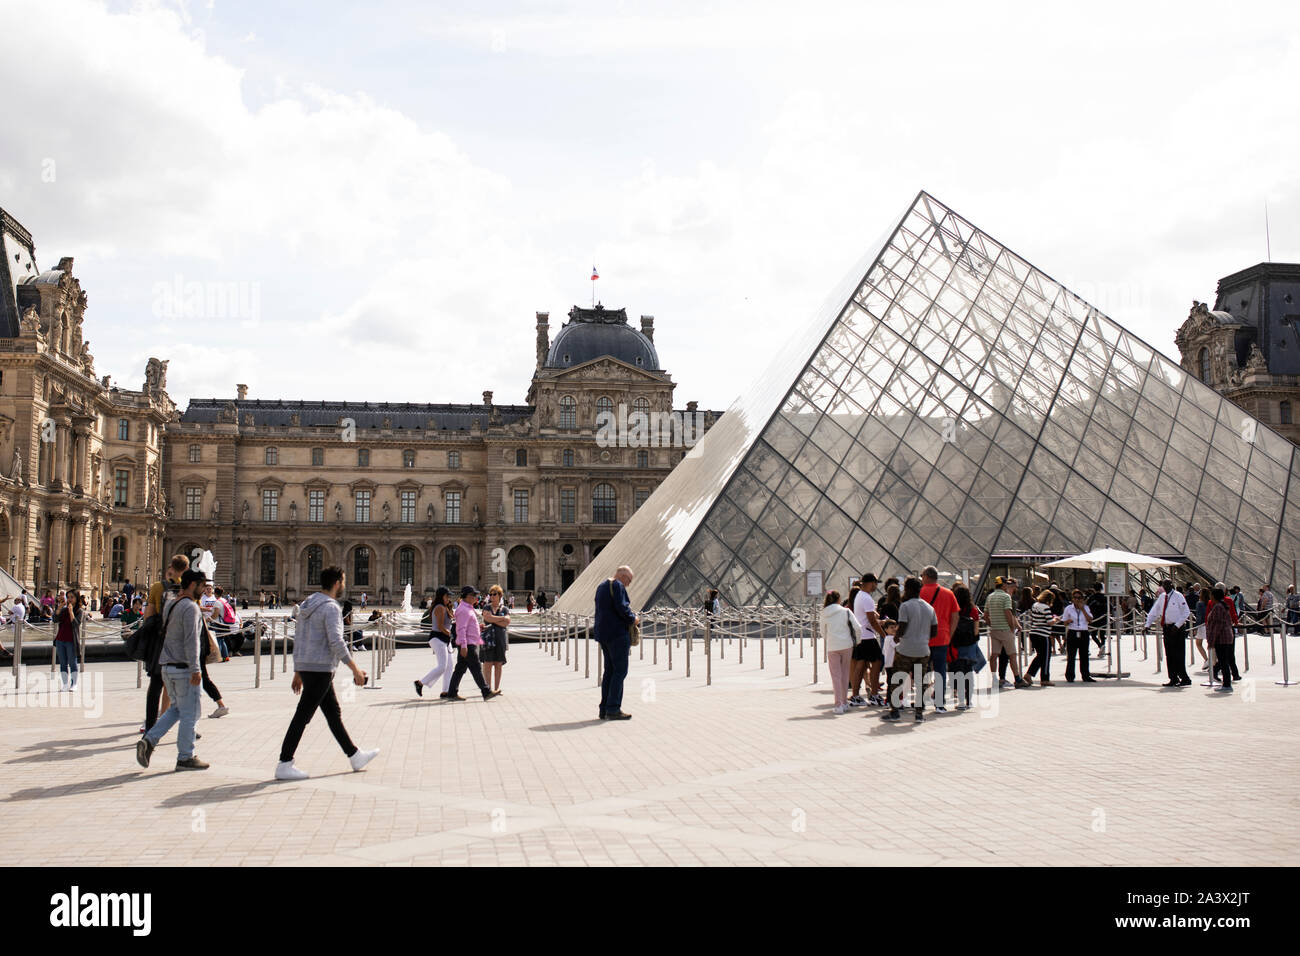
[543, 337]
[487, 399]
[648, 327]
[241, 392]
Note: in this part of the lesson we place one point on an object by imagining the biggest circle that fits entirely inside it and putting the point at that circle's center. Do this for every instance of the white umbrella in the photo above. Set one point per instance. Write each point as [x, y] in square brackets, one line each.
[1103, 556]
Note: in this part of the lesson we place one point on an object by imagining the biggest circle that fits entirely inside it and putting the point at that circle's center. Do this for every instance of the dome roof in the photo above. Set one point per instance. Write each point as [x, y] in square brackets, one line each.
[592, 333]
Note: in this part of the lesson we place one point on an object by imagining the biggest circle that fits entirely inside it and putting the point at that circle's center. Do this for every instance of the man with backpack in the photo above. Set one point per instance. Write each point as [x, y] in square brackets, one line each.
[180, 666]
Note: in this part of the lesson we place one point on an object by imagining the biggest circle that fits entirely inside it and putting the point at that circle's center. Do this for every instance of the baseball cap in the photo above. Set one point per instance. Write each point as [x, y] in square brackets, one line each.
[467, 590]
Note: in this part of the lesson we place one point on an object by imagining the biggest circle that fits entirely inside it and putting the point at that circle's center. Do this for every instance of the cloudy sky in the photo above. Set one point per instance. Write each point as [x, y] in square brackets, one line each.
[391, 190]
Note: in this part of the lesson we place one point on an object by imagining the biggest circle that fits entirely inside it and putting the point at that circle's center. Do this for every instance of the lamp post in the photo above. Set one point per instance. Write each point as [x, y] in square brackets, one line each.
[135, 578]
[78, 575]
[36, 573]
[101, 575]
[58, 575]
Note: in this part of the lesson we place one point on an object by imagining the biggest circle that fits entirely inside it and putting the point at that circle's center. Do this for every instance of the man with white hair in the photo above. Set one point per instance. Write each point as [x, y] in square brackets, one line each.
[614, 615]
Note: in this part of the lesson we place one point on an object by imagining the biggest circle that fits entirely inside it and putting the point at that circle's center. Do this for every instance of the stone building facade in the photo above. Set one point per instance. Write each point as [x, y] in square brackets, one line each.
[1248, 346]
[428, 494]
[81, 495]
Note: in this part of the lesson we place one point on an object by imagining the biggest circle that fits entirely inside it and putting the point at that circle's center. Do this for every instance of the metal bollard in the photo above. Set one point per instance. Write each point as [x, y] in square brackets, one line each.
[814, 655]
[586, 653]
[257, 650]
[1286, 680]
[1245, 646]
[272, 661]
[139, 674]
[284, 659]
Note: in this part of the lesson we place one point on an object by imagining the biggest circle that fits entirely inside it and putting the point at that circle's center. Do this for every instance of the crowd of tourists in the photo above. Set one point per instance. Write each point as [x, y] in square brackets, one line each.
[923, 631]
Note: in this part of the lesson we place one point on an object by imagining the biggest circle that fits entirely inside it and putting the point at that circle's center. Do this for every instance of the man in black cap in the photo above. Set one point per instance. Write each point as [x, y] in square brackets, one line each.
[469, 638]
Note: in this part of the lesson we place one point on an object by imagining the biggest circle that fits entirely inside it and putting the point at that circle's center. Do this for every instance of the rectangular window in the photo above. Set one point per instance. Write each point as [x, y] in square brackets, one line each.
[121, 487]
[408, 459]
[639, 497]
[453, 459]
[363, 457]
[568, 505]
[270, 505]
[193, 504]
[273, 456]
[363, 506]
[521, 506]
[408, 507]
[316, 505]
[521, 457]
[453, 507]
[196, 453]
[317, 457]
[123, 429]
[643, 459]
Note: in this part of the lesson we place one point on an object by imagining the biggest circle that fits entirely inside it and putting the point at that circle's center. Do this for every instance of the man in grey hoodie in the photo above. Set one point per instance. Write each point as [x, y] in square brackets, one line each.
[318, 648]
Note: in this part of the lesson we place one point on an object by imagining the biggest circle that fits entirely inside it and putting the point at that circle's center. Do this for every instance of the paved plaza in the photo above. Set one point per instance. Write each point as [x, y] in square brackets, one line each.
[752, 770]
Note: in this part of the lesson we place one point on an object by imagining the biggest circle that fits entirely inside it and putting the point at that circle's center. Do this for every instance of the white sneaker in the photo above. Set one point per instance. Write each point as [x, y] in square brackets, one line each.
[840, 709]
[220, 711]
[362, 757]
[285, 770]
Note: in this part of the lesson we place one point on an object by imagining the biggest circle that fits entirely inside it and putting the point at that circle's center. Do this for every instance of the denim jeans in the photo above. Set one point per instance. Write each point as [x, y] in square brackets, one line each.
[939, 664]
[68, 660]
[184, 709]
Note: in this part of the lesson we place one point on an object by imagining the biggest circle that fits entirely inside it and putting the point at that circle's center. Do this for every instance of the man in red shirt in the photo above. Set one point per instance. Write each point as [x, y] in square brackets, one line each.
[945, 607]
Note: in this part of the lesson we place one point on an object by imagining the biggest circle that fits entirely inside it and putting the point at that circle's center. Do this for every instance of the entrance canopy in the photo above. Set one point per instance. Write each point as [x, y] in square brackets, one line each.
[1104, 556]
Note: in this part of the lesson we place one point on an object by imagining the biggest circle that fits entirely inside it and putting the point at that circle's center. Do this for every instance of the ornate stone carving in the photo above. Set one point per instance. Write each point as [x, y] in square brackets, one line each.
[155, 376]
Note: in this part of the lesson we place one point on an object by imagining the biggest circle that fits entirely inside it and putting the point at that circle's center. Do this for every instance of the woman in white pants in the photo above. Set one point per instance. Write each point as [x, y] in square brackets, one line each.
[441, 641]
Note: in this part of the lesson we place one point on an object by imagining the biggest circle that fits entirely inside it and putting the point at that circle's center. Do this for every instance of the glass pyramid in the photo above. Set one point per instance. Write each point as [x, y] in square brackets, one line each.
[949, 403]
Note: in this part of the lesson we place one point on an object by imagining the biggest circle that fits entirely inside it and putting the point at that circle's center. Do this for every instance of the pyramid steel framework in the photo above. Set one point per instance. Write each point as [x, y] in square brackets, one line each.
[949, 403]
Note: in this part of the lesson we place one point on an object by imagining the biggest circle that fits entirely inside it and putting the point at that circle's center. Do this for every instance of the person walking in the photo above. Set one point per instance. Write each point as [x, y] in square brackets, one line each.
[318, 649]
[1171, 611]
[946, 613]
[443, 627]
[1078, 621]
[999, 613]
[160, 593]
[917, 627]
[1292, 609]
[614, 615]
[1040, 636]
[496, 638]
[469, 638]
[179, 663]
[841, 633]
[1221, 638]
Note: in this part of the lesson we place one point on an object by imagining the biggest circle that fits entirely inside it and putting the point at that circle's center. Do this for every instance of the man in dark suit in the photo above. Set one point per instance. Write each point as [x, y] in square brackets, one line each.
[614, 615]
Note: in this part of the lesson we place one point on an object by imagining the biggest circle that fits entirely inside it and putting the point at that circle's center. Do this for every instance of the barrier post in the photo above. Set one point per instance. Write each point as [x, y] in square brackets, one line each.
[680, 625]
[257, 650]
[1286, 680]
[586, 653]
[139, 674]
[272, 661]
[668, 640]
[1245, 646]
[284, 649]
[708, 653]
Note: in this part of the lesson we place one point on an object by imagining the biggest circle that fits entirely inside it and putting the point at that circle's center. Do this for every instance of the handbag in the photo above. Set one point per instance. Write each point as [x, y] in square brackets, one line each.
[634, 633]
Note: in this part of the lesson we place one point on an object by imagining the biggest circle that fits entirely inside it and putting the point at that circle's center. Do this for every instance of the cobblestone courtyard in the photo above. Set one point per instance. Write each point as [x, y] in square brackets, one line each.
[753, 770]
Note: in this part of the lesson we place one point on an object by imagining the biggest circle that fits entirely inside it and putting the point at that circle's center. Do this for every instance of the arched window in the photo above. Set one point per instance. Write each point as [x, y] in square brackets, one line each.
[1205, 365]
[519, 569]
[406, 567]
[117, 572]
[361, 567]
[1284, 413]
[266, 566]
[451, 567]
[604, 504]
[604, 405]
[568, 412]
[315, 565]
[641, 406]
